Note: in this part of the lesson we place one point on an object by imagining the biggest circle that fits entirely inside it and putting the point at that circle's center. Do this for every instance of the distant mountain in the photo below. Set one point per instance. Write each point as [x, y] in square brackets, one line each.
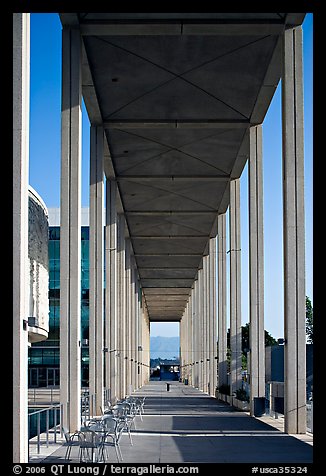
[164, 347]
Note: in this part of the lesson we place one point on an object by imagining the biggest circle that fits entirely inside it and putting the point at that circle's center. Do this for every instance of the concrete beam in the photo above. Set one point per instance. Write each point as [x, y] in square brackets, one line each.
[70, 229]
[212, 27]
[178, 178]
[256, 267]
[21, 81]
[167, 291]
[293, 234]
[170, 212]
[145, 124]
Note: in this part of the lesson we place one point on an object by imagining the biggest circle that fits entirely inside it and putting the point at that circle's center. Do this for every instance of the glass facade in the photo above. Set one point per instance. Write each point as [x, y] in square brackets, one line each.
[44, 357]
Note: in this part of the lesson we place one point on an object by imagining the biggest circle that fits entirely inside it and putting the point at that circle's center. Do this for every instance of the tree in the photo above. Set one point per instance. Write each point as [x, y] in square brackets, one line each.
[309, 321]
[269, 340]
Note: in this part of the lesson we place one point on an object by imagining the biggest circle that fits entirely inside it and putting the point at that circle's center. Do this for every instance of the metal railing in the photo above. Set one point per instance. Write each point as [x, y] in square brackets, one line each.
[85, 410]
[49, 396]
[88, 403]
[275, 399]
[44, 425]
[310, 416]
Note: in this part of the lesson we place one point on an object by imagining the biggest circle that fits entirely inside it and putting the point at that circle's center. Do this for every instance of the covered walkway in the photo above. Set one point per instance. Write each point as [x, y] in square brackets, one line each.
[185, 425]
[176, 103]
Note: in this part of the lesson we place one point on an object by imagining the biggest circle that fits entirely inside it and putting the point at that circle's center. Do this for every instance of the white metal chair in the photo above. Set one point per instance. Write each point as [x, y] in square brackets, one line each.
[113, 428]
[125, 412]
[90, 446]
[72, 440]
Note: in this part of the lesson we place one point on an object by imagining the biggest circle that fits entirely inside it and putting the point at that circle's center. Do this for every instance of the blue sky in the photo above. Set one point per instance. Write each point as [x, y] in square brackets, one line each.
[45, 117]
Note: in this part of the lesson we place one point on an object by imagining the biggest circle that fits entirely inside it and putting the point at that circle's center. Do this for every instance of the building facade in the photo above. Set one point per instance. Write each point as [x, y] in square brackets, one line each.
[38, 313]
[44, 357]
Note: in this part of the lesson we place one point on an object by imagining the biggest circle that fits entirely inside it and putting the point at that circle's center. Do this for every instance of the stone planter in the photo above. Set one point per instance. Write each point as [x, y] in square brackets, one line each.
[240, 404]
[222, 396]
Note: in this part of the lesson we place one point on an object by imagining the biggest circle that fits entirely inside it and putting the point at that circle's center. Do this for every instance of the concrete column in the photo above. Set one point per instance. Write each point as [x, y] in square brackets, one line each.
[201, 329]
[140, 333]
[128, 319]
[96, 377]
[222, 326]
[145, 340]
[206, 326]
[21, 75]
[188, 344]
[193, 337]
[195, 334]
[131, 326]
[136, 327]
[134, 344]
[212, 316]
[111, 286]
[120, 327]
[70, 229]
[190, 338]
[182, 346]
[146, 351]
[293, 234]
[235, 285]
[131, 314]
[256, 267]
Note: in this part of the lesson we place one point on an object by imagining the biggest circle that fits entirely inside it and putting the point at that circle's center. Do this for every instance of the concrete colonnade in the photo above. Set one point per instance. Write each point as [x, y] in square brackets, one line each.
[127, 324]
[198, 328]
[119, 334]
[115, 334]
[196, 315]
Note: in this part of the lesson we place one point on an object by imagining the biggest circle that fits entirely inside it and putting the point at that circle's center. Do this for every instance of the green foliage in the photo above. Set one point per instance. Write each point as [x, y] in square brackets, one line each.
[269, 340]
[244, 361]
[242, 395]
[245, 331]
[309, 321]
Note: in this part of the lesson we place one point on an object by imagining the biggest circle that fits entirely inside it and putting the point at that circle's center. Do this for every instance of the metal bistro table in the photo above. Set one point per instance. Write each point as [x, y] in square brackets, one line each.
[91, 444]
[98, 436]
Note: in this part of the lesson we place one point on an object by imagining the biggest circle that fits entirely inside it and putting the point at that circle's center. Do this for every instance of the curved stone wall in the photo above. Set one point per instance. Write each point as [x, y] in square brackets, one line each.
[38, 233]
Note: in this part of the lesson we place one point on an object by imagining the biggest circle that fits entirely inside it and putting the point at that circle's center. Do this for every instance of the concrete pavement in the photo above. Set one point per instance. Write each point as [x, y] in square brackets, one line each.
[186, 425]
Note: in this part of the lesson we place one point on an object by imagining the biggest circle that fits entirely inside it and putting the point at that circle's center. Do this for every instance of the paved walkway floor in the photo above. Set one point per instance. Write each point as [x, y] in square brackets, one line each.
[185, 425]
